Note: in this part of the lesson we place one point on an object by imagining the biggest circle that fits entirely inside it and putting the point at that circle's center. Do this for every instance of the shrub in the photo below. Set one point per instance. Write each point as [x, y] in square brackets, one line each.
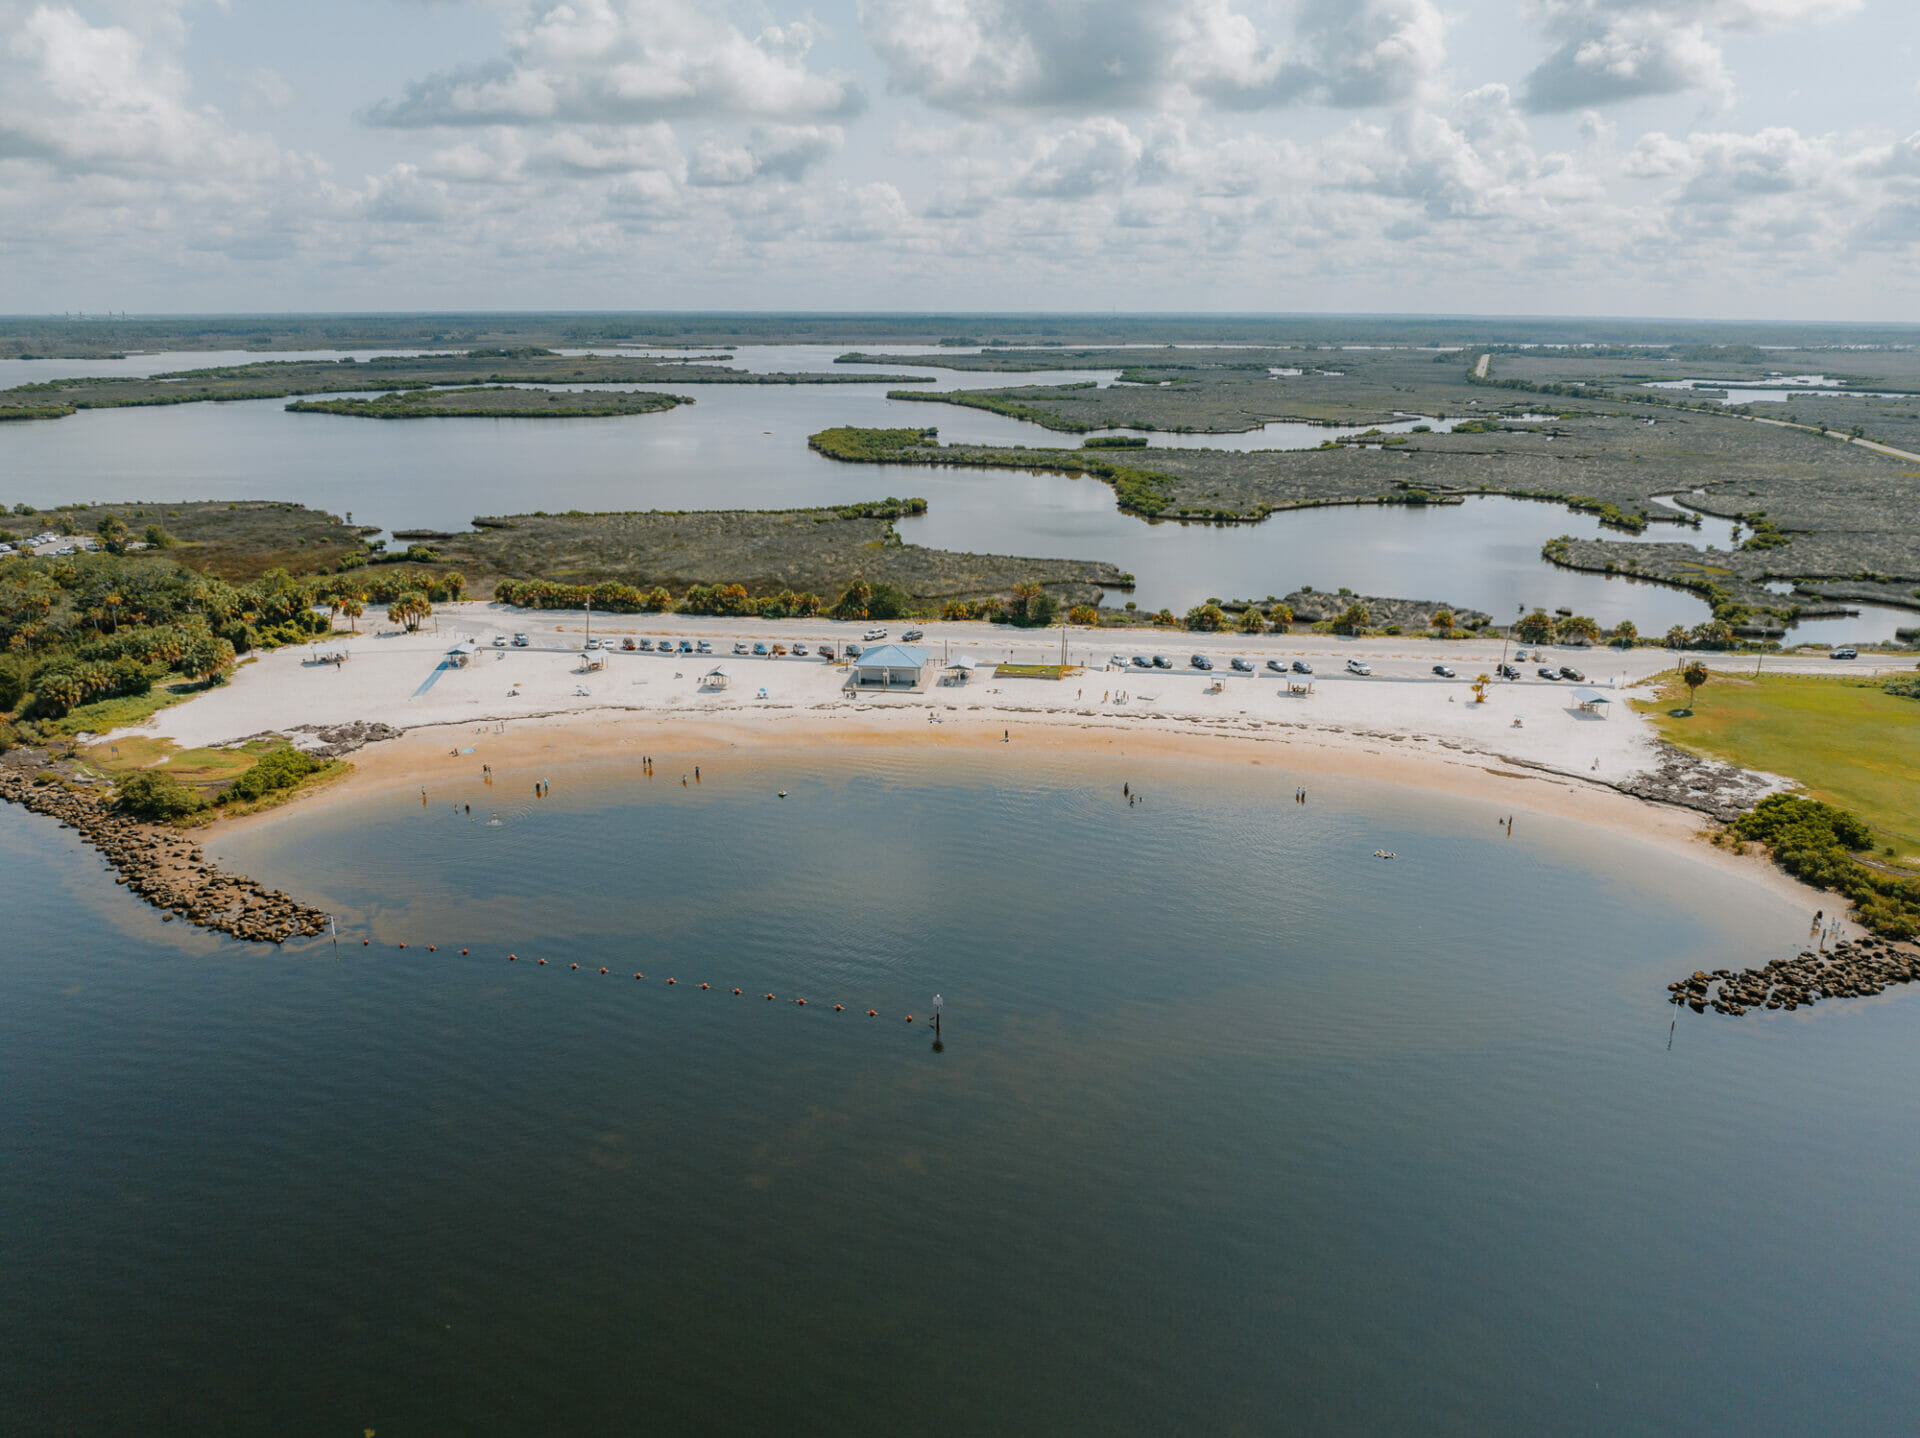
[155, 794]
[1084, 615]
[1535, 628]
[279, 768]
[1206, 618]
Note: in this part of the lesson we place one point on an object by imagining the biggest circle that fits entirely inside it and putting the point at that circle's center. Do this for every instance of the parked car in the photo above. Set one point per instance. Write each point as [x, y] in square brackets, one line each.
[499, 641]
[1300, 666]
[627, 645]
[645, 646]
[686, 646]
[1567, 671]
[1546, 673]
[705, 646]
[760, 649]
[1444, 672]
[1117, 660]
[911, 635]
[1355, 666]
[1140, 661]
[1507, 671]
[1276, 666]
[779, 651]
[596, 644]
[1245, 666]
[1519, 656]
[1160, 661]
[799, 649]
[1200, 661]
[740, 646]
[873, 634]
[519, 641]
[1848, 653]
[854, 651]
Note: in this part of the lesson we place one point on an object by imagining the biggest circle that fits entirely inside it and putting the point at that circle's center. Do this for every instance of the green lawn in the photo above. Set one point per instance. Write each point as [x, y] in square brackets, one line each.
[1032, 671]
[1847, 741]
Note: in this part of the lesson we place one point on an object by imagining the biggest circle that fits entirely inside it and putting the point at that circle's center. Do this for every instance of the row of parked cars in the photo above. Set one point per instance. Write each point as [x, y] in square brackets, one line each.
[1203, 663]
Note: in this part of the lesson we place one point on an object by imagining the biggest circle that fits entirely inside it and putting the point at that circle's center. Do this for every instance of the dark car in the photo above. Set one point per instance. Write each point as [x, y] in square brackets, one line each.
[1507, 671]
[1567, 671]
[1847, 653]
[686, 646]
[1444, 672]
[1200, 661]
[1276, 666]
[1245, 666]
[1300, 666]
[1140, 661]
[1160, 661]
[1546, 673]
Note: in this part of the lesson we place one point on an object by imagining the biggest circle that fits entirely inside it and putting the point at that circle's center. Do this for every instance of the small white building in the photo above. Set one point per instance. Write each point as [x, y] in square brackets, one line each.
[890, 666]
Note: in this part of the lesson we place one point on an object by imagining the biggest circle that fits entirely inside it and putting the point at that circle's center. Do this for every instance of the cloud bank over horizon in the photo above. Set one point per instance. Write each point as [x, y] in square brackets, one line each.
[1705, 157]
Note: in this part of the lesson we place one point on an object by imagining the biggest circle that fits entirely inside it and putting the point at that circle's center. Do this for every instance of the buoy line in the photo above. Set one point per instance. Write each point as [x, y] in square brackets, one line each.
[514, 958]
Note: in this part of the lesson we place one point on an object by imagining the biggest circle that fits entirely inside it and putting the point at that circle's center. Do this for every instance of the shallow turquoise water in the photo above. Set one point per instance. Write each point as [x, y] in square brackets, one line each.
[1233, 1129]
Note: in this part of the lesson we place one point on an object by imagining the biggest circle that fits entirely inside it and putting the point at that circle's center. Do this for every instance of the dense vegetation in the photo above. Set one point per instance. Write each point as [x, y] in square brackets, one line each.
[1816, 842]
[494, 402]
[77, 631]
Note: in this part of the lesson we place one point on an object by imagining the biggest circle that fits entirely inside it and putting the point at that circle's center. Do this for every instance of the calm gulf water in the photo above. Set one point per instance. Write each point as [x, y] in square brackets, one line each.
[746, 447]
[1235, 1129]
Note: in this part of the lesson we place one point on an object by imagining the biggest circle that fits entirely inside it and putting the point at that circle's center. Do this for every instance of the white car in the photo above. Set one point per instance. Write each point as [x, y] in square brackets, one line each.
[873, 634]
[499, 641]
[1354, 666]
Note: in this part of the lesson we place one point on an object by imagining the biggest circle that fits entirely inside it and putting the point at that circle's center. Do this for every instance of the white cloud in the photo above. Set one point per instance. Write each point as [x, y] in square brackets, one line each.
[783, 152]
[626, 61]
[987, 55]
[1374, 52]
[1611, 50]
[84, 98]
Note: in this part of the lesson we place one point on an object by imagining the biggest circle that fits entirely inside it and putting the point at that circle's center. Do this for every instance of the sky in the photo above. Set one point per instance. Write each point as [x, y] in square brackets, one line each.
[1738, 159]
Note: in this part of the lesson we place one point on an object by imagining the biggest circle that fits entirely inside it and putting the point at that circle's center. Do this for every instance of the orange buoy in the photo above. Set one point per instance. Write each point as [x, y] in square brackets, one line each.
[736, 991]
[873, 1013]
[801, 1002]
[431, 947]
[403, 946]
[673, 981]
[838, 1007]
[575, 966]
[639, 976]
[909, 1018]
[365, 943]
[543, 962]
[463, 951]
[603, 970]
[769, 996]
[512, 957]
[706, 986]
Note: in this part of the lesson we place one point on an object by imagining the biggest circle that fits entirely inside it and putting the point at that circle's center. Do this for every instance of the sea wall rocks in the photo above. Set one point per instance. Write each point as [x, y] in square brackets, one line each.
[1708, 786]
[167, 868]
[1851, 970]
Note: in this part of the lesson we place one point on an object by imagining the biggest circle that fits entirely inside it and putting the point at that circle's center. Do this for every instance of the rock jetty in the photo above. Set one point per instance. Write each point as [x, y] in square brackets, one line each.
[1849, 970]
[167, 868]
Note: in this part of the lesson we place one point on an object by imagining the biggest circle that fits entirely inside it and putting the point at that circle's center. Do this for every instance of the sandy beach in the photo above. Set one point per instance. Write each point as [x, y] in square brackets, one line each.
[531, 712]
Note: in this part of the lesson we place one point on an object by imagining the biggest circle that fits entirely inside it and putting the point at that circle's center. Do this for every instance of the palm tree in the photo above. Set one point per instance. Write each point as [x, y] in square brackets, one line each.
[353, 607]
[1693, 676]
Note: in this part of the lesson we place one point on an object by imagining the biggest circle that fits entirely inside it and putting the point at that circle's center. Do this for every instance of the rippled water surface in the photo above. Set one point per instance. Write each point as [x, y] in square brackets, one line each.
[1234, 1128]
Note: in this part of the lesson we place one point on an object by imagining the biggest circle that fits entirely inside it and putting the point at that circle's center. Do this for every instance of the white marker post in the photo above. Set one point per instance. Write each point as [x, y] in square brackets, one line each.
[936, 1013]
